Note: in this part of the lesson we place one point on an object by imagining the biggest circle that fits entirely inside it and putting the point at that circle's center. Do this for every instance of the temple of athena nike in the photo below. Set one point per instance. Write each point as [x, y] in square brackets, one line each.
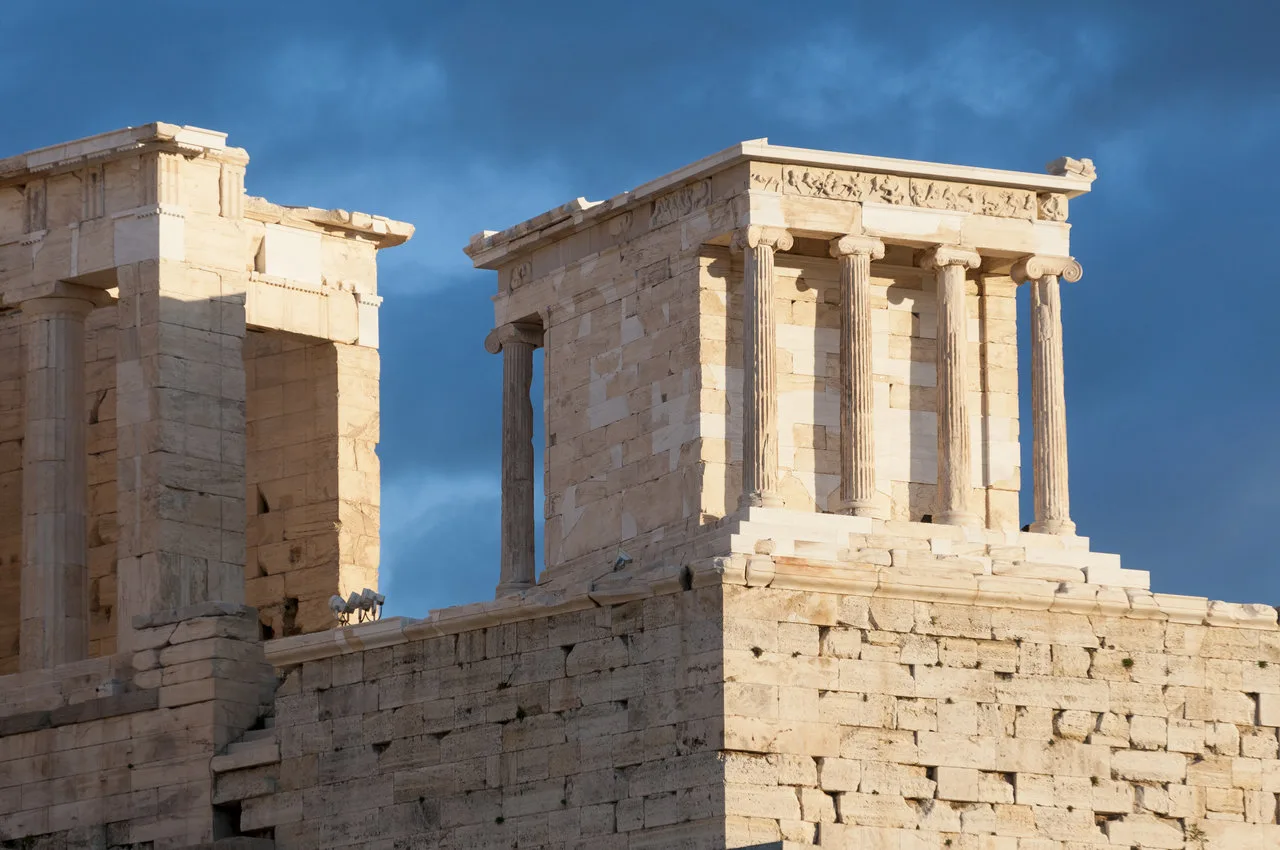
[786, 597]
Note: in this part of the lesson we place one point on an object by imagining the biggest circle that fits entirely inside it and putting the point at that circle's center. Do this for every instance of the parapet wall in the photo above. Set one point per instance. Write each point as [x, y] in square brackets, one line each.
[114, 753]
[592, 728]
[871, 708]
[885, 721]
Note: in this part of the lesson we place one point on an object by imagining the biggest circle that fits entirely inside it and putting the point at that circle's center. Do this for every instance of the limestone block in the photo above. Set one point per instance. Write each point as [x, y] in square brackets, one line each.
[1138, 766]
[1145, 831]
[1269, 709]
[292, 254]
[958, 783]
[876, 811]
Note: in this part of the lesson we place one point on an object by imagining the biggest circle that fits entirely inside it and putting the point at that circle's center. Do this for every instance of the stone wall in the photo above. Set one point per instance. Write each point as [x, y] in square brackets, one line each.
[621, 388]
[595, 728]
[114, 753]
[890, 709]
[312, 477]
[12, 368]
[872, 721]
[104, 528]
[619, 306]
[318, 473]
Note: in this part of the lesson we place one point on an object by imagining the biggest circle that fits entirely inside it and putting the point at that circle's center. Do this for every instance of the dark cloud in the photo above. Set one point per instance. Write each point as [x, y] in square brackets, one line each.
[466, 116]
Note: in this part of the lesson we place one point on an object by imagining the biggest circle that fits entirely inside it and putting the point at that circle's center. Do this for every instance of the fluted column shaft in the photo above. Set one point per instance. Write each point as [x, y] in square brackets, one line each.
[759, 353]
[517, 342]
[54, 595]
[1048, 393]
[858, 494]
[955, 476]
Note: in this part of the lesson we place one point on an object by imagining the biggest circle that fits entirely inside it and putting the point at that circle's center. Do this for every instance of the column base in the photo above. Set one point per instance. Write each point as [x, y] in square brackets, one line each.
[761, 500]
[511, 588]
[961, 518]
[870, 508]
[1063, 527]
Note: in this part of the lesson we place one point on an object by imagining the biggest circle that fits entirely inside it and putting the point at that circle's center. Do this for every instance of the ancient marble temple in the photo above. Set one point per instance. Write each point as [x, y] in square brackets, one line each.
[787, 597]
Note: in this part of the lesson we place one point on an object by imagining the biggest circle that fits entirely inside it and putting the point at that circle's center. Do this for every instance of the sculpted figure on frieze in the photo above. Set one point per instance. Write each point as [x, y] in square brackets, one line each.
[894, 189]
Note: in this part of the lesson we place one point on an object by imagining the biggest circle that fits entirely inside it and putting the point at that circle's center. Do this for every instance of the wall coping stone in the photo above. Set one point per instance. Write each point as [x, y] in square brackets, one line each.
[918, 584]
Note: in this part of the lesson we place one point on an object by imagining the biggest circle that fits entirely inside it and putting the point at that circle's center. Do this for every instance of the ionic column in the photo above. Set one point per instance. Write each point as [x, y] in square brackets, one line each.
[1048, 395]
[517, 342]
[955, 480]
[759, 367]
[858, 495]
[55, 595]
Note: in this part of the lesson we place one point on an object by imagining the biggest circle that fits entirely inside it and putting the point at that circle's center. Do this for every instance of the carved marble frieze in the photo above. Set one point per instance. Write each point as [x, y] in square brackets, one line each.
[681, 202]
[521, 274]
[1053, 207]
[996, 201]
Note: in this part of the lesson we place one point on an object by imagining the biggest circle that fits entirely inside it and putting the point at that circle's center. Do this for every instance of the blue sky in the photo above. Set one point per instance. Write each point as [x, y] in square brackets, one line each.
[460, 117]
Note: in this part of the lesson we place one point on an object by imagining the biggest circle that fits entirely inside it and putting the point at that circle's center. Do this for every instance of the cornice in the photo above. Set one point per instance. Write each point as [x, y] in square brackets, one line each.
[382, 231]
[116, 144]
[490, 248]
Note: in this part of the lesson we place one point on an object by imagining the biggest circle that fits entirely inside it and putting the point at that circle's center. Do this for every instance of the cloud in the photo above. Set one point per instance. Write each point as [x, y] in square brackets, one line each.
[447, 199]
[425, 515]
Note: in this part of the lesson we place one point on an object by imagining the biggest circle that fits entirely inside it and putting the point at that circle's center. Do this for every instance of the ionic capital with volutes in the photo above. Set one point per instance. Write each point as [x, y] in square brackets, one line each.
[950, 255]
[526, 332]
[1037, 267]
[853, 245]
[760, 235]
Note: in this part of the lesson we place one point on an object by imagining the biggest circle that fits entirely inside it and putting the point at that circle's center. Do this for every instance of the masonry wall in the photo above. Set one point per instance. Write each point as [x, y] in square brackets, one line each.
[114, 753]
[729, 716]
[311, 475]
[100, 443]
[590, 729]
[856, 721]
[619, 306]
[12, 370]
[904, 319]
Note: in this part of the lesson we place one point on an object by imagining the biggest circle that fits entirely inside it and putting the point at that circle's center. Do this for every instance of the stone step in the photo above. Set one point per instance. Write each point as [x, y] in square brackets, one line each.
[254, 735]
[244, 754]
[810, 521]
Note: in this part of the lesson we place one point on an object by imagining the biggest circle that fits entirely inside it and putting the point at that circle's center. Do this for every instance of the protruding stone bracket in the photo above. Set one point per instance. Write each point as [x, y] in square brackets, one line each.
[1066, 166]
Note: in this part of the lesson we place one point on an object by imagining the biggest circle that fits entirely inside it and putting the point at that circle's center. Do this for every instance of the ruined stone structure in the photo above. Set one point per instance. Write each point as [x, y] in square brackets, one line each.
[188, 423]
[788, 599]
